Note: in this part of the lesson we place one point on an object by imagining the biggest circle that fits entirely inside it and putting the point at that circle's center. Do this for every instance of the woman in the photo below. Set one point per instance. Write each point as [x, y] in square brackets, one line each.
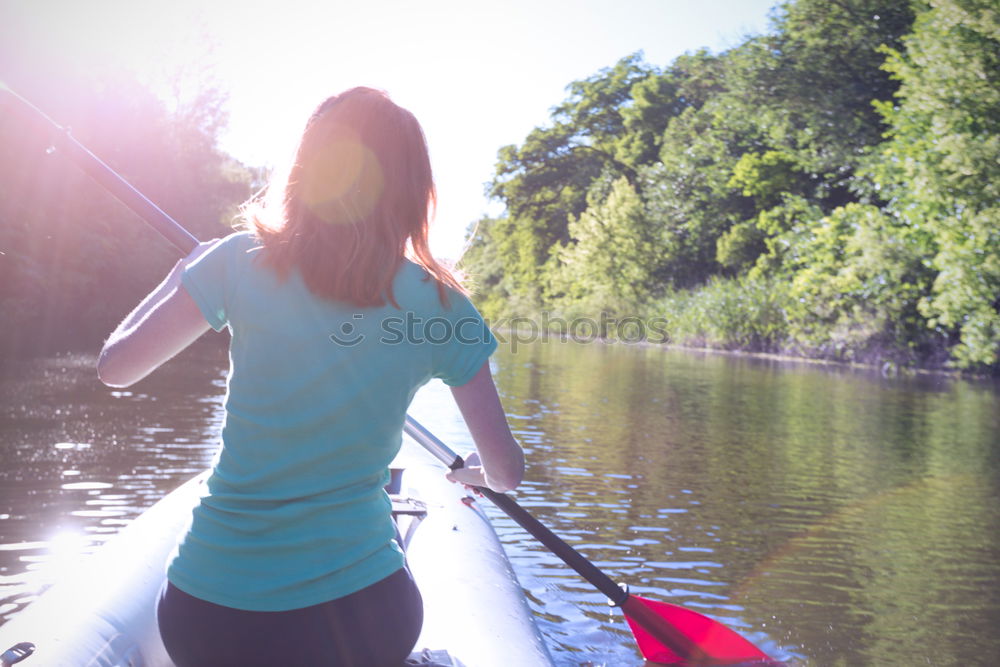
[338, 313]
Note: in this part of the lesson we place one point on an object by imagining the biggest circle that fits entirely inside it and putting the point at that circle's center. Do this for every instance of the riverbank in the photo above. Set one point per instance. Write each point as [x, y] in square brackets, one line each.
[885, 364]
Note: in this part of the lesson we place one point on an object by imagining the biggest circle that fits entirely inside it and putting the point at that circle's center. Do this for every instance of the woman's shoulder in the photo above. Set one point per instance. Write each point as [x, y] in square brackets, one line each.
[416, 287]
[235, 246]
[242, 239]
[412, 285]
[411, 271]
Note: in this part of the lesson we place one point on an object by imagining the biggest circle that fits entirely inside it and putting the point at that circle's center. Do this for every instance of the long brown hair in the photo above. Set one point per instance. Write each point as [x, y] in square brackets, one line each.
[357, 199]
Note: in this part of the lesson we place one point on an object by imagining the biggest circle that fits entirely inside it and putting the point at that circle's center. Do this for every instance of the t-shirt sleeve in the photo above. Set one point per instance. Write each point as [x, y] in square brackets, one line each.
[208, 280]
[461, 342]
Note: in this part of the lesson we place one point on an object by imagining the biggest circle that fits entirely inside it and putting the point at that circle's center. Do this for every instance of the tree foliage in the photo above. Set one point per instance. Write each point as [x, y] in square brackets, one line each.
[608, 266]
[73, 260]
[847, 160]
[941, 165]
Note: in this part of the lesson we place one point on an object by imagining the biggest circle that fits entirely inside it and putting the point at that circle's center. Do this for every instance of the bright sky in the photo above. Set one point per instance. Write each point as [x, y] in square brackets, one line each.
[478, 75]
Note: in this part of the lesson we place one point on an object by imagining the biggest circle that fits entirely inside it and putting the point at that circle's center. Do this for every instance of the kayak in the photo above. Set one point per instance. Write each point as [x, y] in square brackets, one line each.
[475, 612]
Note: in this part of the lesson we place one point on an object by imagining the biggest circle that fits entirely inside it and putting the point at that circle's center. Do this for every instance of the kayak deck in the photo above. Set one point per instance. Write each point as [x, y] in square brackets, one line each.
[475, 613]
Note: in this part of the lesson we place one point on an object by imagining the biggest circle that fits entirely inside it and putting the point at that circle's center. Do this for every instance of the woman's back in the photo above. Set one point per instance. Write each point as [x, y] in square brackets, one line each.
[317, 396]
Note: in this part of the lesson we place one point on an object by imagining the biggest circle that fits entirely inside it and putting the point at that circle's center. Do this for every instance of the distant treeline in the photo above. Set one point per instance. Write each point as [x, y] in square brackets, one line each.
[830, 188]
[73, 260]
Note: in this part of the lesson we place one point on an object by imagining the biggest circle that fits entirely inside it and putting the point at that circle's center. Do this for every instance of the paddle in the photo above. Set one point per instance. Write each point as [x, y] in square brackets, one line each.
[63, 142]
[665, 633]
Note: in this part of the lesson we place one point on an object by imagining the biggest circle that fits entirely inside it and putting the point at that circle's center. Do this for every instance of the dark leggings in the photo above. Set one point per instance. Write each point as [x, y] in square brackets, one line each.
[374, 627]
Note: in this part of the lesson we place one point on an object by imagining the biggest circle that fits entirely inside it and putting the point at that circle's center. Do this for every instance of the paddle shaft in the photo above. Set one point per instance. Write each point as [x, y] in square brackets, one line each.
[105, 176]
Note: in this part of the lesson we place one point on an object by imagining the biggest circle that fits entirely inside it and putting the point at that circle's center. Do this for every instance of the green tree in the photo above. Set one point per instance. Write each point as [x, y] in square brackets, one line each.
[606, 267]
[547, 178]
[862, 195]
[689, 82]
[810, 84]
[788, 118]
[489, 275]
[856, 279]
[607, 128]
[689, 200]
[74, 259]
[941, 165]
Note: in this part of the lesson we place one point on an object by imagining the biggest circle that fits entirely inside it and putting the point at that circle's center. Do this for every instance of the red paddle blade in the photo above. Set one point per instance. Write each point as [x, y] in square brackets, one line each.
[673, 635]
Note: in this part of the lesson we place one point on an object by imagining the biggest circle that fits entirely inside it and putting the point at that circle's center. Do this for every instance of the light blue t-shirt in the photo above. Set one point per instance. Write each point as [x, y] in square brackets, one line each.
[295, 512]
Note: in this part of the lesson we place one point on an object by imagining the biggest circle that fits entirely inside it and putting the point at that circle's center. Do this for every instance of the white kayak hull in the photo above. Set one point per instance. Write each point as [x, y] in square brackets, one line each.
[475, 613]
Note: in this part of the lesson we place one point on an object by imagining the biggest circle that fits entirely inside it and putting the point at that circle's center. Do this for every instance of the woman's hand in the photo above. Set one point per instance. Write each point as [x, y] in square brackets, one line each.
[471, 475]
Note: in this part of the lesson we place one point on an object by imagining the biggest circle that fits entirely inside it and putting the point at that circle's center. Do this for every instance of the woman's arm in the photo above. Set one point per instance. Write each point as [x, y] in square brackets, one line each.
[502, 458]
[163, 324]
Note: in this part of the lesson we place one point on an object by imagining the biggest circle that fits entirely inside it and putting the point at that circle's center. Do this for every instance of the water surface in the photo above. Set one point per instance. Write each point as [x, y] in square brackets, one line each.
[833, 516]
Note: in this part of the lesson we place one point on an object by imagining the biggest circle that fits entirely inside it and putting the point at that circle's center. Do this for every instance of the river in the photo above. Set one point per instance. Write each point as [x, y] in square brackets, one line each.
[831, 515]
